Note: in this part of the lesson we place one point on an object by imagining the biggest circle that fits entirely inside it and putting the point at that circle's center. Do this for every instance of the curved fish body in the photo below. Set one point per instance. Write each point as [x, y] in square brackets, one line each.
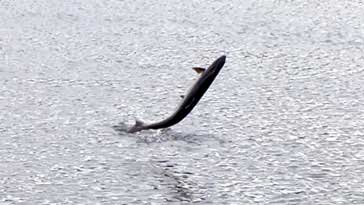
[189, 101]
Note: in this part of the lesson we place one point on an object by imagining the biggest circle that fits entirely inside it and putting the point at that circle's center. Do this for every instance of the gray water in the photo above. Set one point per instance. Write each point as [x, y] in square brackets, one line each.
[283, 123]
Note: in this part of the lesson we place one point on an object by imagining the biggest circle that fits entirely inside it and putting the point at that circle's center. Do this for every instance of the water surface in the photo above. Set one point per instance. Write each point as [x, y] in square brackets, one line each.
[281, 124]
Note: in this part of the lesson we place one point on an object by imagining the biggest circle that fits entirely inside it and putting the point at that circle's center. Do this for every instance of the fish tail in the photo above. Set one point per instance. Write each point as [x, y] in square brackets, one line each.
[138, 126]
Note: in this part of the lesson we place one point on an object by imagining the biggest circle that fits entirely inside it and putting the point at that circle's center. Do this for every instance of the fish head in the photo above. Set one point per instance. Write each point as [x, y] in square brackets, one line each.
[216, 66]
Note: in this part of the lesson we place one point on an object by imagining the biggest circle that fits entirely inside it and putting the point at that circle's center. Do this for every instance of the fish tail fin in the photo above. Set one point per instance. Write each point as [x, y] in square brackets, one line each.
[138, 126]
[139, 122]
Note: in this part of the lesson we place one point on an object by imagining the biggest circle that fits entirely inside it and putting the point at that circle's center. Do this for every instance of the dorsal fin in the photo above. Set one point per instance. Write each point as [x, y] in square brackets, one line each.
[199, 69]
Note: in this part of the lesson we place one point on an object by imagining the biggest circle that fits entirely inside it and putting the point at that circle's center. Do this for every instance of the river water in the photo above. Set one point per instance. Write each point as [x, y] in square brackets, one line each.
[283, 123]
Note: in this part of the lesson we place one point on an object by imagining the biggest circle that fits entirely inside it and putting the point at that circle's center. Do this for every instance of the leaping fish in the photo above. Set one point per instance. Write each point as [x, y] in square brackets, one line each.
[189, 101]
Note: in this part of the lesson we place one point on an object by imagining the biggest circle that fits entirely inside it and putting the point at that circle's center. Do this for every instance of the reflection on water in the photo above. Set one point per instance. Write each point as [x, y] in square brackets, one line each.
[167, 134]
